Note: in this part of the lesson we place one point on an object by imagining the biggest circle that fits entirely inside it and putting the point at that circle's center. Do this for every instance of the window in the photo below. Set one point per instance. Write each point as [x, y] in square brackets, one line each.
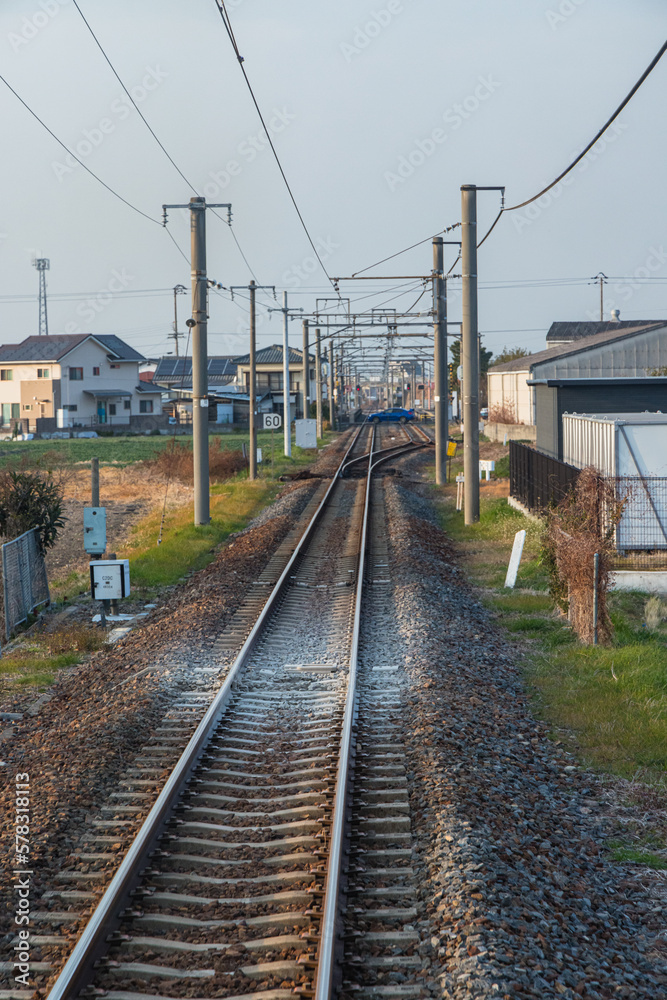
[16, 411]
[6, 411]
[27, 406]
[96, 371]
[276, 381]
[112, 409]
[42, 373]
[114, 366]
[70, 407]
[6, 374]
[127, 404]
[145, 406]
[75, 374]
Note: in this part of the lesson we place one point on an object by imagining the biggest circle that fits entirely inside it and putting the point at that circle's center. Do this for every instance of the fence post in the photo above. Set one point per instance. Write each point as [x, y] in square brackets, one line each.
[596, 568]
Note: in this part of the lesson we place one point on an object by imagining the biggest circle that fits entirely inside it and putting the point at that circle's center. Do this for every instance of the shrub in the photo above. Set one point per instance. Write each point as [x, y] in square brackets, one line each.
[580, 526]
[176, 462]
[30, 500]
[503, 414]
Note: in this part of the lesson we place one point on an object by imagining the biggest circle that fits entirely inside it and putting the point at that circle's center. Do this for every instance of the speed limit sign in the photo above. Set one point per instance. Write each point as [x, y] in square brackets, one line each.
[272, 421]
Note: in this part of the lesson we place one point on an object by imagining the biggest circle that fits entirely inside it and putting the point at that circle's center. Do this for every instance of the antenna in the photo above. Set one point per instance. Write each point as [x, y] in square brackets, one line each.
[43, 264]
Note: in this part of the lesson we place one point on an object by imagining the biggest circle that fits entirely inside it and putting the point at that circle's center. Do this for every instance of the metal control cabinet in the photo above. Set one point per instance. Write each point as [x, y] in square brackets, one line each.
[110, 579]
[95, 530]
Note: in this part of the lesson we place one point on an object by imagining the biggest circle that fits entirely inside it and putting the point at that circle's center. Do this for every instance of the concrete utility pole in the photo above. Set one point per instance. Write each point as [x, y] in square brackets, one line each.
[200, 361]
[287, 428]
[306, 371]
[252, 375]
[601, 279]
[252, 388]
[440, 360]
[332, 380]
[199, 326]
[318, 382]
[470, 352]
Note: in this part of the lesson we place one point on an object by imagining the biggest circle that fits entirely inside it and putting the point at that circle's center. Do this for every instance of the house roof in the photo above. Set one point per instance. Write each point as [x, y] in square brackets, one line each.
[585, 344]
[569, 332]
[273, 355]
[221, 369]
[53, 348]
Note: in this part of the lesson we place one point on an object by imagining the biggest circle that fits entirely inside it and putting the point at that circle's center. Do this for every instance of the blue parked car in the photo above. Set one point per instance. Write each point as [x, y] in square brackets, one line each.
[396, 414]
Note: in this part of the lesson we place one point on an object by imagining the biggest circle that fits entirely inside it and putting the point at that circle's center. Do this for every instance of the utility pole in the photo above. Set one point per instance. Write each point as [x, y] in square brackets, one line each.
[42, 264]
[199, 326]
[318, 382]
[175, 336]
[252, 376]
[287, 428]
[306, 371]
[470, 351]
[601, 279]
[252, 388]
[200, 361]
[440, 360]
[332, 382]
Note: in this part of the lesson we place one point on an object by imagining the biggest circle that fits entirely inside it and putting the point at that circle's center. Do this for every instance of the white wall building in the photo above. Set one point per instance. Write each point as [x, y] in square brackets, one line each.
[623, 350]
[77, 380]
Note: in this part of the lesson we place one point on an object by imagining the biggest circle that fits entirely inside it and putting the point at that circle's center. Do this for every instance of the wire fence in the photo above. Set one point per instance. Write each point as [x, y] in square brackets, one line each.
[24, 582]
[538, 482]
[641, 534]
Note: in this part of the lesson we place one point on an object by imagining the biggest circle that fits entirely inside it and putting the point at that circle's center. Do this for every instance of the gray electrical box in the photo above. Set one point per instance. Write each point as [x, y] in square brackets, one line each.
[95, 530]
[110, 579]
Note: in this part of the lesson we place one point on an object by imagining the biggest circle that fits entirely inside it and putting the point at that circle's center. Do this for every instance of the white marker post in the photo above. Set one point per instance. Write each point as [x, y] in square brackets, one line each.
[515, 558]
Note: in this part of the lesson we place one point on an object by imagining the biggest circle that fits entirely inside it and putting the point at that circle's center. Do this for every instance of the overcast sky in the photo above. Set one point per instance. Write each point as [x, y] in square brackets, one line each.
[379, 111]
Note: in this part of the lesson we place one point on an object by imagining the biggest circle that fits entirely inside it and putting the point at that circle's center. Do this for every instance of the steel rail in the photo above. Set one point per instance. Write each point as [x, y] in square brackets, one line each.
[326, 956]
[330, 914]
[106, 917]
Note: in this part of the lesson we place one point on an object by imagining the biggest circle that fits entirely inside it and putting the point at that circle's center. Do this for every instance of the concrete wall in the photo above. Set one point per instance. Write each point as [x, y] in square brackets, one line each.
[514, 432]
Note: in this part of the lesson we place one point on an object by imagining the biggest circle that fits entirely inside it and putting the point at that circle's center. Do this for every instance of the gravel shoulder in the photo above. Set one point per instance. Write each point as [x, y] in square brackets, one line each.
[512, 834]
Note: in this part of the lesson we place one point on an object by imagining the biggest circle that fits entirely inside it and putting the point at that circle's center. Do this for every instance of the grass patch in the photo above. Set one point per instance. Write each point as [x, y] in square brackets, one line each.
[612, 699]
[638, 856]
[184, 547]
[122, 451]
[37, 661]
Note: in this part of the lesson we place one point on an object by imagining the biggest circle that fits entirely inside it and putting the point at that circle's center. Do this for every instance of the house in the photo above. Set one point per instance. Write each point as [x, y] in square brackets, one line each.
[174, 372]
[269, 372]
[75, 380]
[624, 350]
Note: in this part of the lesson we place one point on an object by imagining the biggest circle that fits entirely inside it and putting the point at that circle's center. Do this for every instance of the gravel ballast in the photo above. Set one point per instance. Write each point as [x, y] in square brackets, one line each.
[522, 899]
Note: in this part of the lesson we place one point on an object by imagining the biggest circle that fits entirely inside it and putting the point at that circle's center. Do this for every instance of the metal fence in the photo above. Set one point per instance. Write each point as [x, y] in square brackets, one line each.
[24, 581]
[536, 480]
[641, 534]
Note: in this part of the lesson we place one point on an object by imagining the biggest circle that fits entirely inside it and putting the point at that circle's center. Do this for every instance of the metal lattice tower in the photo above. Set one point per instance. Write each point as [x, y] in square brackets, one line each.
[42, 264]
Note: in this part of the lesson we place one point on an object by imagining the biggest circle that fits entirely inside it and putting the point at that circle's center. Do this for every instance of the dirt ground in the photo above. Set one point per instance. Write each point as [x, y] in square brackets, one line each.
[128, 494]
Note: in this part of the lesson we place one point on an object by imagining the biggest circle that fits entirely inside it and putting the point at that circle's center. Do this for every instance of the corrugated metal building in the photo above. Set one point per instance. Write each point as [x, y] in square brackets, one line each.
[625, 351]
[556, 397]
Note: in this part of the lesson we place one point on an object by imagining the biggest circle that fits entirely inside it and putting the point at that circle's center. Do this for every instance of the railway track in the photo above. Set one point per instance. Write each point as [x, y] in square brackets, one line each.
[276, 857]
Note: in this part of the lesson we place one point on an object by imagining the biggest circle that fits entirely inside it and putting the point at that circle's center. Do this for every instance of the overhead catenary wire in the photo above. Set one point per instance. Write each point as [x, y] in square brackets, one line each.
[626, 100]
[222, 10]
[75, 157]
[176, 167]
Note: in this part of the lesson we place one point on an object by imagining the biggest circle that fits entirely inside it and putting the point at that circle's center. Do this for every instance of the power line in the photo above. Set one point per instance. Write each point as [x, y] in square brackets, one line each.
[649, 69]
[626, 100]
[405, 250]
[222, 10]
[129, 95]
[75, 157]
[158, 141]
